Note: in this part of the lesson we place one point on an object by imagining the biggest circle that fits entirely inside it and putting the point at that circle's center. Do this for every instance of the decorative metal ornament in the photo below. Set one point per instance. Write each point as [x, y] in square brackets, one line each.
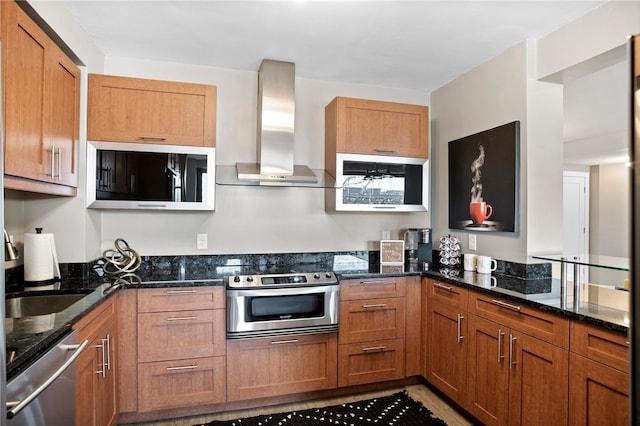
[122, 259]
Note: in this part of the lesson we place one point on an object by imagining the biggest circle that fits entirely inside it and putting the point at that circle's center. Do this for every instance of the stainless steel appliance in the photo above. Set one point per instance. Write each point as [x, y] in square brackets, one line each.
[149, 176]
[44, 394]
[634, 335]
[280, 304]
[380, 183]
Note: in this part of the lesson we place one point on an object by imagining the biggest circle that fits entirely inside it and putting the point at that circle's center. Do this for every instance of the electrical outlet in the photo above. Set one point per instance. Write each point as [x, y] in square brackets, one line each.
[201, 241]
[472, 241]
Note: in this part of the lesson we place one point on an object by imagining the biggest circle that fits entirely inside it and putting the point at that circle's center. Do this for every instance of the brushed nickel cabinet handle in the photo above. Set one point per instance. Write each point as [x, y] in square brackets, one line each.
[182, 318]
[460, 337]
[376, 282]
[511, 345]
[284, 342]
[390, 151]
[442, 287]
[500, 355]
[102, 370]
[506, 305]
[185, 367]
[375, 305]
[181, 291]
[153, 138]
[374, 348]
[108, 352]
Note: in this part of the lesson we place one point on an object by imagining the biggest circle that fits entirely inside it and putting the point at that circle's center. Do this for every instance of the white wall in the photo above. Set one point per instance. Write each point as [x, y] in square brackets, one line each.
[609, 210]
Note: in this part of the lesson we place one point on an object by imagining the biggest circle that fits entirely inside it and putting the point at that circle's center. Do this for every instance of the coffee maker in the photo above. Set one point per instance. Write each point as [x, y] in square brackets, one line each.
[418, 247]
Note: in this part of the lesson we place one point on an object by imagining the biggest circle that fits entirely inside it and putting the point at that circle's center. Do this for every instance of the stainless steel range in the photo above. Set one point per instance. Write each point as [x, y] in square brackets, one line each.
[281, 304]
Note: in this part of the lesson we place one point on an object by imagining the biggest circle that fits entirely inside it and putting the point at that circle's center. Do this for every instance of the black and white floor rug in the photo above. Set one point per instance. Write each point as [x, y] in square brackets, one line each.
[397, 409]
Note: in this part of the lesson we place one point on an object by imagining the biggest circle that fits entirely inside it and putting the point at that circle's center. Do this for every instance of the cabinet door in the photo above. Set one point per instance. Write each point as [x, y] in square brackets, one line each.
[372, 319]
[264, 367]
[487, 367]
[96, 395]
[446, 349]
[382, 128]
[24, 69]
[538, 382]
[122, 109]
[63, 116]
[599, 395]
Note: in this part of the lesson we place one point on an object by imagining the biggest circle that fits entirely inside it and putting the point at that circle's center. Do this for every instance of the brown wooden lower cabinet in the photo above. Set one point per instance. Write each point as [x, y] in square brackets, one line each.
[272, 366]
[96, 374]
[181, 383]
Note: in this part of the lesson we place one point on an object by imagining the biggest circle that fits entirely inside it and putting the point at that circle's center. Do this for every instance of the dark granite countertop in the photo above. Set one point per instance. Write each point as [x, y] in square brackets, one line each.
[27, 338]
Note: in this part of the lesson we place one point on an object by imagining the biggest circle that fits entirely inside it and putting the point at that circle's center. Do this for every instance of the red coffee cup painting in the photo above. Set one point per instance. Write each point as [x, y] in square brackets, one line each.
[479, 211]
[483, 180]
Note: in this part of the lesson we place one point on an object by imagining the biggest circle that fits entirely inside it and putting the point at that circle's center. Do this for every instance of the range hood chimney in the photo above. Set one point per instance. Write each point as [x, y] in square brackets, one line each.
[276, 124]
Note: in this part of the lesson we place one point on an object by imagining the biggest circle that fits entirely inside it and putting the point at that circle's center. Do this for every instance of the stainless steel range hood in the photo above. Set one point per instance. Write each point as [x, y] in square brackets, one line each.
[276, 126]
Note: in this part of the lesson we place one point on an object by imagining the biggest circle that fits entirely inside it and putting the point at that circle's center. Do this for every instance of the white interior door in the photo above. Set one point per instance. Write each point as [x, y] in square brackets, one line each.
[576, 218]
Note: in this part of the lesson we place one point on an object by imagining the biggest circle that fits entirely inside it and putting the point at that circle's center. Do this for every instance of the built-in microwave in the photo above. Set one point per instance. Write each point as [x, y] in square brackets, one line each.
[149, 176]
[379, 183]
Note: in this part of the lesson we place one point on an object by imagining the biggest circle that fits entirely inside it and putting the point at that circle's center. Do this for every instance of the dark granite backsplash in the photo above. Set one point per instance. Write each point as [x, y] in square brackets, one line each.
[525, 278]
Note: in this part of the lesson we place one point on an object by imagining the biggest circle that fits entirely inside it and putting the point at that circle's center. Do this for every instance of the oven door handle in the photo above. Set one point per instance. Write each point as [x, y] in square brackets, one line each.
[282, 291]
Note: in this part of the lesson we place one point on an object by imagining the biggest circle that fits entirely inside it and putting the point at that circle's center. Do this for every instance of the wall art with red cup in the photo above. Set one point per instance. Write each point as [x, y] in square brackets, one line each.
[484, 180]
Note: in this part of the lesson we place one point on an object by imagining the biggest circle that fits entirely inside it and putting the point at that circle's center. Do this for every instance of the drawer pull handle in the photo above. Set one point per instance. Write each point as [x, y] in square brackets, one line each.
[374, 348]
[391, 151]
[460, 336]
[181, 291]
[376, 282]
[500, 355]
[182, 318]
[375, 305]
[506, 305]
[153, 138]
[185, 367]
[442, 287]
[284, 342]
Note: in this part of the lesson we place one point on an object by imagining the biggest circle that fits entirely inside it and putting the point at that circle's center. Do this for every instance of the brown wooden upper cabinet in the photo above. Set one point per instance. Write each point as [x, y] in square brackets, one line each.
[123, 109]
[41, 108]
[362, 126]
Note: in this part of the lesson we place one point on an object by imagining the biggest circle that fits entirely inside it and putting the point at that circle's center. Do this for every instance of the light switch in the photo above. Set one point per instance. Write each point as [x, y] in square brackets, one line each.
[201, 241]
[472, 241]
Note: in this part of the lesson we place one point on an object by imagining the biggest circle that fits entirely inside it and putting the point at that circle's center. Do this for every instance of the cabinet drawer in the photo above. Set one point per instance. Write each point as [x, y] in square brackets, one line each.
[532, 321]
[370, 362]
[178, 335]
[180, 298]
[447, 294]
[372, 319]
[600, 345]
[282, 365]
[181, 383]
[373, 288]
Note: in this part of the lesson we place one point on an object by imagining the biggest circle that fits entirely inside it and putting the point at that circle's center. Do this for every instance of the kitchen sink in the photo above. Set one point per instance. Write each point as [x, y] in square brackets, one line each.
[29, 306]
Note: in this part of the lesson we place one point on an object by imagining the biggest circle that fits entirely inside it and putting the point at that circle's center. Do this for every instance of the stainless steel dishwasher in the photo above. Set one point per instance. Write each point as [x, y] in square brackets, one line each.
[45, 393]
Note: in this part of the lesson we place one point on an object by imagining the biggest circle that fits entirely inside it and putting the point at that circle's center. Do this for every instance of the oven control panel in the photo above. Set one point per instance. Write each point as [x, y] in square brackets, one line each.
[282, 280]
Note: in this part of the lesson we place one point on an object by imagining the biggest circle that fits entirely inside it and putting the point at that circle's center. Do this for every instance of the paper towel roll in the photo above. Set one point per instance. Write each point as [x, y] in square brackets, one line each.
[40, 257]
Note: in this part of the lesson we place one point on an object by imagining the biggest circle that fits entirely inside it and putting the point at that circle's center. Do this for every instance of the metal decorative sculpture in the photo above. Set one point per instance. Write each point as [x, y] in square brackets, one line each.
[122, 259]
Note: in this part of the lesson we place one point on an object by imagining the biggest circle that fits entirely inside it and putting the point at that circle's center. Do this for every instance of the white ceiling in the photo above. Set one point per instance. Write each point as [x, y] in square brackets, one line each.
[417, 45]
